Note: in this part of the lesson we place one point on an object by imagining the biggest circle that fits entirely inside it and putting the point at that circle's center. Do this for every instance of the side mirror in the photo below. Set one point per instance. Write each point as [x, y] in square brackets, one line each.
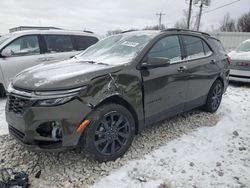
[155, 62]
[6, 53]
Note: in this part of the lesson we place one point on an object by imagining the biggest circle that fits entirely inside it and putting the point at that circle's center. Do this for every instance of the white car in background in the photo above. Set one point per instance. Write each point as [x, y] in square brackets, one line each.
[24, 49]
[240, 65]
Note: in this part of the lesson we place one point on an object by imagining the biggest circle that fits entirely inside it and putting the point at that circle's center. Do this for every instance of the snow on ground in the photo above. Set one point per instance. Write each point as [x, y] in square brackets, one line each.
[3, 124]
[171, 154]
[217, 156]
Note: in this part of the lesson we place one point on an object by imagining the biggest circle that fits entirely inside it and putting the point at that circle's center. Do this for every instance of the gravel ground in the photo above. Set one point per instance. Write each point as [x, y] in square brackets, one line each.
[73, 169]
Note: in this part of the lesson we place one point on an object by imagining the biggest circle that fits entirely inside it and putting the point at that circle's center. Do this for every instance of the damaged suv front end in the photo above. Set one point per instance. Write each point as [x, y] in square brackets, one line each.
[46, 120]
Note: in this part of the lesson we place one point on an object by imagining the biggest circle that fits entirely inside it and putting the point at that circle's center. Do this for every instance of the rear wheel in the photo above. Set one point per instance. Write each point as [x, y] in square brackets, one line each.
[110, 133]
[214, 97]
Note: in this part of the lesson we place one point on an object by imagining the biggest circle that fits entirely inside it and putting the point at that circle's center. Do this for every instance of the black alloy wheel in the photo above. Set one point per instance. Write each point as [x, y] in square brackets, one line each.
[214, 97]
[110, 133]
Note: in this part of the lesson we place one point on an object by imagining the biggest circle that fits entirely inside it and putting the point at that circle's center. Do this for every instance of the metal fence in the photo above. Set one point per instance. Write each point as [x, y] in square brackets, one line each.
[231, 40]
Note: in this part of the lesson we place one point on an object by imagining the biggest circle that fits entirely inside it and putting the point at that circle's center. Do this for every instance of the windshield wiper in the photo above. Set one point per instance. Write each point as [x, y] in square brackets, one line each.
[94, 62]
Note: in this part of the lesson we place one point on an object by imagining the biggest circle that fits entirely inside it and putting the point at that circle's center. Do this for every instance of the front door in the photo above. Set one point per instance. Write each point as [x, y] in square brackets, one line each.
[25, 53]
[164, 87]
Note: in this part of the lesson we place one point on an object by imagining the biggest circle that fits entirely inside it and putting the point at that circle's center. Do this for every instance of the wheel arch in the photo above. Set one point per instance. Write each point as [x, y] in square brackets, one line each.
[221, 79]
[121, 101]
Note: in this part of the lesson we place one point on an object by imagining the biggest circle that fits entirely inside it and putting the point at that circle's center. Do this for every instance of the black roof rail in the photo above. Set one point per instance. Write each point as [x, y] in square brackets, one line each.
[86, 31]
[193, 31]
[127, 31]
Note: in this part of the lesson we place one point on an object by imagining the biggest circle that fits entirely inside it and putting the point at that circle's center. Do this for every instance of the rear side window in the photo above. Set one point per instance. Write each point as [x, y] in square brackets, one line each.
[83, 42]
[207, 49]
[58, 43]
[26, 45]
[217, 44]
[194, 47]
[168, 47]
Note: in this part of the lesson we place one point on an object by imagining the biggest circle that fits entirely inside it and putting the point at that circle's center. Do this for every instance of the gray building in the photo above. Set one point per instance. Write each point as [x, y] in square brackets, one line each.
[231, 40]
[21, 28]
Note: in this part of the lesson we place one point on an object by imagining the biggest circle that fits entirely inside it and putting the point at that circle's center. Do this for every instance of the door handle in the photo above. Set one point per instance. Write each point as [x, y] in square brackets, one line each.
[42, 59]
[213, 61]
[182, 69]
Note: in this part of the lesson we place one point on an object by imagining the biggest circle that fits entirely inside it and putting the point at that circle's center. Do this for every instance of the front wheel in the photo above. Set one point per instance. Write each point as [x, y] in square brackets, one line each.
[110, 133]
[214, 97]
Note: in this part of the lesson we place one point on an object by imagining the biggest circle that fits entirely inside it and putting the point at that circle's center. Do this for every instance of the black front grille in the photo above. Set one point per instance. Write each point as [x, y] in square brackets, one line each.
[17, 105]
[18, 134]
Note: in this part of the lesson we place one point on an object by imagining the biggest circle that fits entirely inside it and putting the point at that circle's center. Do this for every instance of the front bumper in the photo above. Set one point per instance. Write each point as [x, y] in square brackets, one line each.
[24, 126]
[239, 75]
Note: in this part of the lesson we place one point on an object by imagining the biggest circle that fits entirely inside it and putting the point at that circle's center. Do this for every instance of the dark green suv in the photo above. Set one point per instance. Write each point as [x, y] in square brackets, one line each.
[102, 97]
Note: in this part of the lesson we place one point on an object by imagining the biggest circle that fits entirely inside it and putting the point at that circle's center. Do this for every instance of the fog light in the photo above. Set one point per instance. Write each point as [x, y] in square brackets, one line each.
[52, 129]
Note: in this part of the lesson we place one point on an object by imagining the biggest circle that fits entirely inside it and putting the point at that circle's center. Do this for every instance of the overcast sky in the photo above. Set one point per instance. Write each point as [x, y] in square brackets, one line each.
[102, 15]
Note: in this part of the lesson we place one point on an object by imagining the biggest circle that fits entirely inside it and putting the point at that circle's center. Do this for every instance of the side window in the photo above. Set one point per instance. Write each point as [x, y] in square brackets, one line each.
[58, 43]
[26, 45]
[194, 47]
[207, 50]
[217, 44]
[83, 42]
[168, 47]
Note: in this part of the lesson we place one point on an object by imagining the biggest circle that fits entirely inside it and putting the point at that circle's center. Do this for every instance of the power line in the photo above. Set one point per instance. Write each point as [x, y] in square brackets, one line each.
[221, 7]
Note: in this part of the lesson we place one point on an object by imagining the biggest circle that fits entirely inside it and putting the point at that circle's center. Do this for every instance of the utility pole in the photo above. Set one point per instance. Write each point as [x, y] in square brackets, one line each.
[189, 13]
[160, 16]
[199, 17]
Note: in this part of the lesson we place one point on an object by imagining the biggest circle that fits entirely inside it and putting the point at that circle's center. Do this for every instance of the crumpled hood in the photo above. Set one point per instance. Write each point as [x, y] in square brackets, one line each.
[61, 75]
[239, 55]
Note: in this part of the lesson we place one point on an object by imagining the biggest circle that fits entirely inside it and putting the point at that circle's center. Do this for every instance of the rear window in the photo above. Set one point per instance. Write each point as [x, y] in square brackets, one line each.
[217, 44]
[58, 43]
[83, 42]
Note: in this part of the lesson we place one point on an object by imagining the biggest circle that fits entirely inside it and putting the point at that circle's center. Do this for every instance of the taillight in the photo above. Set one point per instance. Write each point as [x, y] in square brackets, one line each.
[229, 61]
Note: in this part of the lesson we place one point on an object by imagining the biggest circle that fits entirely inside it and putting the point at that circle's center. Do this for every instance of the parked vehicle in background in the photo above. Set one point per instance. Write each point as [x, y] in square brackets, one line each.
[240, 66]
[23, 49]
[101, 98]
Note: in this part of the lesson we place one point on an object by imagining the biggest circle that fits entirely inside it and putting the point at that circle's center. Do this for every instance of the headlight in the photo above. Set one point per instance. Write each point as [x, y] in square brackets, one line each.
[54, 98]
[53, 102]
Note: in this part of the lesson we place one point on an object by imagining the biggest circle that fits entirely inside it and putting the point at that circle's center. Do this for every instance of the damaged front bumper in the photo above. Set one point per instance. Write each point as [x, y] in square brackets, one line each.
[51, 128]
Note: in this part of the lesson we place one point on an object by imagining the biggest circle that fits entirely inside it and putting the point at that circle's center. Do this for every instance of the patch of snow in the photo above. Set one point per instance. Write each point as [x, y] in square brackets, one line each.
[216, 156]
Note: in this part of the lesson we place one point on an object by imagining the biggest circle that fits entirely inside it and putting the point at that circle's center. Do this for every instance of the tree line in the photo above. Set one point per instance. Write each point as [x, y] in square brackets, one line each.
[242, 24]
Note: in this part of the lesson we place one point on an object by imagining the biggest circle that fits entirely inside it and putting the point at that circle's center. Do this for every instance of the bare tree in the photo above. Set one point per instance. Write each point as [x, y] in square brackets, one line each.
[155, 27]
[113, 32]
[243, 24]
[228, 24]
[182, 23]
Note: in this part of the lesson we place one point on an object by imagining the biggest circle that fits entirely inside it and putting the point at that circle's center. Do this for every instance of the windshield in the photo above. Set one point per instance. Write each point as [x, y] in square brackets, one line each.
[244, 47]
[117, 49]
[4, 38]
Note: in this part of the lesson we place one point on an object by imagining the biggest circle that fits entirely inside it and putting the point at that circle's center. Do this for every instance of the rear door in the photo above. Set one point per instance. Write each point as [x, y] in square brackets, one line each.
[164, 87]
[83, 42]
[26, 52]
[202, 69]
[58, 47]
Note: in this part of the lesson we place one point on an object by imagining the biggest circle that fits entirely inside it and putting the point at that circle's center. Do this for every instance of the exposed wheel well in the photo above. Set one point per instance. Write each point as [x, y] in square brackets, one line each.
[121, 101]
[2, 90]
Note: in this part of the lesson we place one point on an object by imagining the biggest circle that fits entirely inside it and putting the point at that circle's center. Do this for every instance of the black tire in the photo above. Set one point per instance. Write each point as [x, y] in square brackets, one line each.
[104, 142]
[2, 91]
[214, 97]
